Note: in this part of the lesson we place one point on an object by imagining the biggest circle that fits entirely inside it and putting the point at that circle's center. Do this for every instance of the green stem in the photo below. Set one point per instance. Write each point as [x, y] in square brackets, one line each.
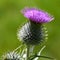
[28, 52]
[41, 57]
[45, 57]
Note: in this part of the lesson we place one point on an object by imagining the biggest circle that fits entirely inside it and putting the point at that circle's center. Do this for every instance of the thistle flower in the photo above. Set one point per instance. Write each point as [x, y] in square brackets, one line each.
[38, 16]
[33, 32]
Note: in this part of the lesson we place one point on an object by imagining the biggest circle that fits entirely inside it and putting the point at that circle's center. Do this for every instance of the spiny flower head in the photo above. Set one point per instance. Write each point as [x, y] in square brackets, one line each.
[32, 34]
[36, 15]
[11, 56]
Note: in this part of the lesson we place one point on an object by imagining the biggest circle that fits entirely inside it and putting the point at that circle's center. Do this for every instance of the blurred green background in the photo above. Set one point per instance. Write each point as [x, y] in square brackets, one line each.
[11, 19]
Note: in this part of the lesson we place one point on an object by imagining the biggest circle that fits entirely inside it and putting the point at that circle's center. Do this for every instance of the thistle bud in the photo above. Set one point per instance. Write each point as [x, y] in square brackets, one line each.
[11, 56]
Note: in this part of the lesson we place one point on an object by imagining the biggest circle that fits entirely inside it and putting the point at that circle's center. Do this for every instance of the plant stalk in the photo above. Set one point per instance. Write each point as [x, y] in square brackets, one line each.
[41, 57]
[28, 47]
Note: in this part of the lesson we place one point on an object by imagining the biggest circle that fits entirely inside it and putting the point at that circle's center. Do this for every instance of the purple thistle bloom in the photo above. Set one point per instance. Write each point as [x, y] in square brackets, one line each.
[33, 32]
[38, 16]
